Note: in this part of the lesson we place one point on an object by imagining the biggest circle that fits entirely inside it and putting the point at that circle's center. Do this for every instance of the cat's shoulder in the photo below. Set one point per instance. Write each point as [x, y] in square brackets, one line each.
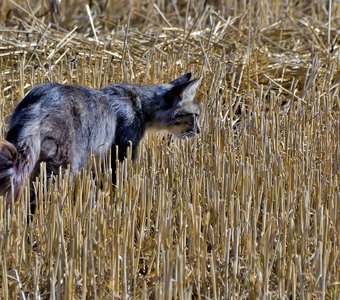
[124, 93]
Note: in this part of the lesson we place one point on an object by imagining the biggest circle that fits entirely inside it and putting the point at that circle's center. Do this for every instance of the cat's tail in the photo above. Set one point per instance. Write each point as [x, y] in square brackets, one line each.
[16, 165]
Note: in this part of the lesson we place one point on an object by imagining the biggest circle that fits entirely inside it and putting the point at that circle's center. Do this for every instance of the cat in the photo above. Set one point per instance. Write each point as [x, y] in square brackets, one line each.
[61, 124]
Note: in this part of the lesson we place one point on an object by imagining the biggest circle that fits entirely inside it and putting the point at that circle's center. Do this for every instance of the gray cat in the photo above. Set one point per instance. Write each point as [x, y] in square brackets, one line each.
[61, 124]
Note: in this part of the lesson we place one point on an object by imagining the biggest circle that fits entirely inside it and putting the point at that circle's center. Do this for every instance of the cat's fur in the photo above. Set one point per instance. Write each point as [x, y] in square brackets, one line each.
[61, 124]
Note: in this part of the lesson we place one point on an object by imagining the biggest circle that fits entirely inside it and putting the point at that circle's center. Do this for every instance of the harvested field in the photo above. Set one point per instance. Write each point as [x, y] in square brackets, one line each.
[249, 209]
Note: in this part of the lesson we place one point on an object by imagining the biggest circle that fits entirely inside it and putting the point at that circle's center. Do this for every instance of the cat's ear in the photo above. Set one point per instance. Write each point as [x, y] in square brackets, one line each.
[182, 79]
[184, 92]
[189, 92]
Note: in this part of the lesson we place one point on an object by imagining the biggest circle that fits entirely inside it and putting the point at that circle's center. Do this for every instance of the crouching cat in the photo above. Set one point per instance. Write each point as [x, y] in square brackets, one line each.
[60, 125]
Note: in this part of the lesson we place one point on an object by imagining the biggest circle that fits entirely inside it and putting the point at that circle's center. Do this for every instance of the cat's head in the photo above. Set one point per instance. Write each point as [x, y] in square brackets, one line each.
[180, 115]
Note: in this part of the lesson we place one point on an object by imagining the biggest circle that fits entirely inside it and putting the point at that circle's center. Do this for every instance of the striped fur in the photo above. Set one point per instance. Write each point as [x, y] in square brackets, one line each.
[61, 124]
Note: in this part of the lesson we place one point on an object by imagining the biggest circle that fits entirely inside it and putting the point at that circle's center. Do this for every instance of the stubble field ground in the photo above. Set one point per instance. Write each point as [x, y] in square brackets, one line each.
[249, 209]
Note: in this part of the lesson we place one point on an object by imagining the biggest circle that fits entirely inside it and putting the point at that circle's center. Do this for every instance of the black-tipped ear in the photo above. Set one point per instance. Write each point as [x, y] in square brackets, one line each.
[184, 92]
[182, 79]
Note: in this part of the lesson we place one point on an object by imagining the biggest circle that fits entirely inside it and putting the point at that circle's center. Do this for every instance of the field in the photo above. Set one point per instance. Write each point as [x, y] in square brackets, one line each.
[249, 209]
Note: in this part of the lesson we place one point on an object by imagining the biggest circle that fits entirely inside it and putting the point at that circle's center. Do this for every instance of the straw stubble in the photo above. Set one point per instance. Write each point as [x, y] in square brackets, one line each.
[249, 209]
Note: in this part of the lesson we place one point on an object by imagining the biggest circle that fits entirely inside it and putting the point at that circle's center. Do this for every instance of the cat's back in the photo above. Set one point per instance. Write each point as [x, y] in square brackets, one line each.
[35, 95]
[59, 100]
[57, 107]
[54, 94]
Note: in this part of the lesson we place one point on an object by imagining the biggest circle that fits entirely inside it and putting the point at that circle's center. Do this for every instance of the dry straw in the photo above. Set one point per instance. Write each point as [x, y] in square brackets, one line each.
[249, 209]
